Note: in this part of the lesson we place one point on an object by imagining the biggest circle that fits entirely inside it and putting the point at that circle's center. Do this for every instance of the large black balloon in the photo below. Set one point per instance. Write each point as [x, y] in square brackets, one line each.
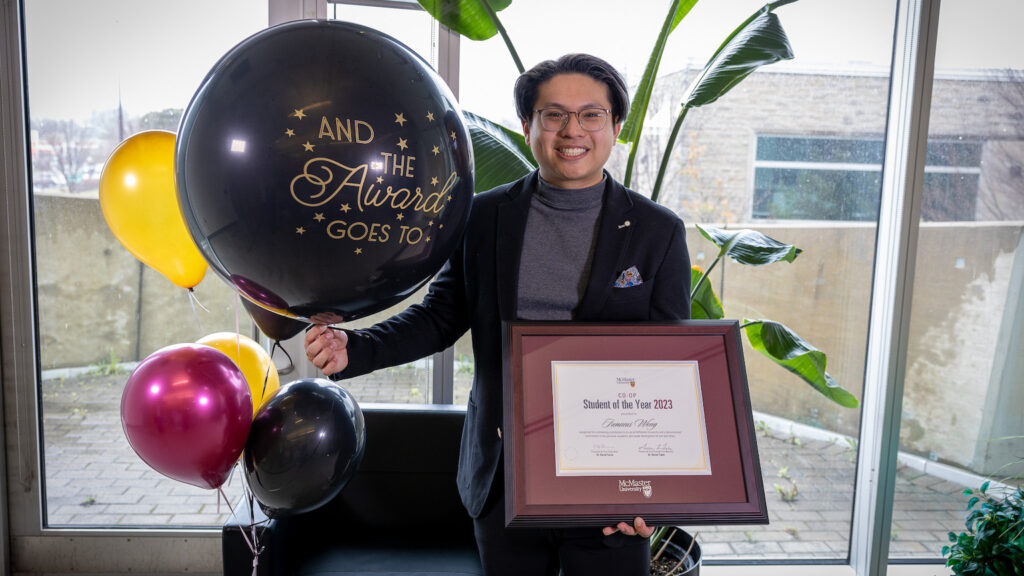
[275, 326]
[304, 445]
[323, 168]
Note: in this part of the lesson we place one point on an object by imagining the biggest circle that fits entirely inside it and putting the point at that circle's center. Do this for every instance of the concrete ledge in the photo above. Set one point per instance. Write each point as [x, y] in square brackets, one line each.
[945, 472]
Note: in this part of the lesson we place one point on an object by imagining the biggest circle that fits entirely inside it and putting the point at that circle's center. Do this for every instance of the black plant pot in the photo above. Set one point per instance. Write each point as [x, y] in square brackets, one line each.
[676, 549]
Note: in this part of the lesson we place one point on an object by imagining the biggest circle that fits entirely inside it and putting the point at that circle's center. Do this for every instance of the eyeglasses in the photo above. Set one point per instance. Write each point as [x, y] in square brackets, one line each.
[590, 119]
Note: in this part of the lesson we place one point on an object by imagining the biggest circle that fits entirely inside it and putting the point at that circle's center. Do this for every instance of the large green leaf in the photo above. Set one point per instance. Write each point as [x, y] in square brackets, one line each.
[633, 126]
[499, 154]
[704, 304]
[758, 41]
[749, 246]
[787, 349]
[470, 18]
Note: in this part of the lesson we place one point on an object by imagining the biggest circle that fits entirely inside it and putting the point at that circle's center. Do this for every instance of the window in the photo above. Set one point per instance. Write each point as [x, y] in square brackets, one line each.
[960, 422]
[97, 73]
[839, 178]
[747, 160]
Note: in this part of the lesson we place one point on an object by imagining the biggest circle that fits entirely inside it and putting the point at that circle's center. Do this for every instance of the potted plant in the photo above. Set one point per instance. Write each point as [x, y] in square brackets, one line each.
[501, 155]
[993, 544]
[674, 552]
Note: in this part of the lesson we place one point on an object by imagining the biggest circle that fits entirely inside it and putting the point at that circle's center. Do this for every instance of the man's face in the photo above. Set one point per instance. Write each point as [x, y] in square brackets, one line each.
[571, 157]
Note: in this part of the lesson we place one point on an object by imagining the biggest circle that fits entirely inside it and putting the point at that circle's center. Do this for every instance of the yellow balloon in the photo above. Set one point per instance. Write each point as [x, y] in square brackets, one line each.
[254, 362]
[140, 204]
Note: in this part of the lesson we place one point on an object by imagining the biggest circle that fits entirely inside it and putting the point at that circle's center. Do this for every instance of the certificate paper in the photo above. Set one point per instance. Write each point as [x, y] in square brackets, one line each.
[629, 417]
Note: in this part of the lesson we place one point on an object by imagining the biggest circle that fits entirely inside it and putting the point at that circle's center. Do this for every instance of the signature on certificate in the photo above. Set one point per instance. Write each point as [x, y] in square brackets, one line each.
[659, 448]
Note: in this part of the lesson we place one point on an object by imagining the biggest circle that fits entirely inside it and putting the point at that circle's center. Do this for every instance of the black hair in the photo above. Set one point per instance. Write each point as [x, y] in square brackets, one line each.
[529, 82]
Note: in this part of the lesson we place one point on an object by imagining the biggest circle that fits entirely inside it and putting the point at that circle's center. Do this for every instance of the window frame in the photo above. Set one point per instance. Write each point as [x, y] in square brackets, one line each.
[65, 550]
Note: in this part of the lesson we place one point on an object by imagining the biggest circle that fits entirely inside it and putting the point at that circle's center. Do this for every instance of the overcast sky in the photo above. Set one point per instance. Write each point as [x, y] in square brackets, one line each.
[83, 53]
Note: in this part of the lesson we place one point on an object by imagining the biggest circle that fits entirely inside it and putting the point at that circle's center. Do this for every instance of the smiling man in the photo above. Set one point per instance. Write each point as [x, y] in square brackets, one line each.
[565, 242]
[570, 131]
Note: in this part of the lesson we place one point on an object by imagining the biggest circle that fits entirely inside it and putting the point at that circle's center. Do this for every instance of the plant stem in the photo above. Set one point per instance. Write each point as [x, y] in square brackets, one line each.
[668, 153]
[504, 36]
[664, 544]
[687, 555]
[643, 95]
[693, 291]
[629, 165]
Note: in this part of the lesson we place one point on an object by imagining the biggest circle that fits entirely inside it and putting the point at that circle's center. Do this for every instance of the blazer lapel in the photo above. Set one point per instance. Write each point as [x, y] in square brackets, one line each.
[613, 235]
[508, 243]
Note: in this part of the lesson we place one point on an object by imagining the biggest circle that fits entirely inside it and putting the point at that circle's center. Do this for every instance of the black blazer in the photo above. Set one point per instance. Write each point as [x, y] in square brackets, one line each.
[476, 289]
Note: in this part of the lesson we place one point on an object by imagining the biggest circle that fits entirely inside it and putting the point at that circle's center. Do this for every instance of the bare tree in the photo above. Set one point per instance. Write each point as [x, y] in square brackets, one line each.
[1005, 200]
[704, 198]
[166, 119]
[69, 147]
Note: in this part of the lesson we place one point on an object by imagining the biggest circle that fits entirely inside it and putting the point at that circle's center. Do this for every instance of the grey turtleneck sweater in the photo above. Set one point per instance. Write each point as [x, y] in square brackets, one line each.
[558, 247]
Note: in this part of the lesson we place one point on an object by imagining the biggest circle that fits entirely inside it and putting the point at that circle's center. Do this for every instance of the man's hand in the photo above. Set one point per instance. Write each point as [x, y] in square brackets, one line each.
[327, 348]
[639, 528]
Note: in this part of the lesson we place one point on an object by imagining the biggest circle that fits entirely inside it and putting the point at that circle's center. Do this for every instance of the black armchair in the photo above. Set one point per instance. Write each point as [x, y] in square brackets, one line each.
[399, 515]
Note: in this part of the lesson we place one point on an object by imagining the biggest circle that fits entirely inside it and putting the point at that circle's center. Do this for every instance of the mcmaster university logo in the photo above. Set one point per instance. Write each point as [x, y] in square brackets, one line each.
[642, 486]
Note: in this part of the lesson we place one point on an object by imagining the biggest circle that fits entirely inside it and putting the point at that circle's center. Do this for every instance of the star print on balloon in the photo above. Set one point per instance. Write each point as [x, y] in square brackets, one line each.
[324, 179]
[320, 185]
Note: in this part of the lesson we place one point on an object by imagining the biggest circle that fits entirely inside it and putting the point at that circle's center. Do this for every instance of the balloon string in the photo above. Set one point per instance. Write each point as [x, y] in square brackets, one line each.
[291, 364]
[263, 394]
[238, 339]
[247, 492]
[192, 295]
[253, 543]
[242, 528]
[193, 300]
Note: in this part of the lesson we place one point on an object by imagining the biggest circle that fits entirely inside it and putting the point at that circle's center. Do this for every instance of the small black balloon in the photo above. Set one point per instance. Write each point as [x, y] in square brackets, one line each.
[323, 168]
[304, 445]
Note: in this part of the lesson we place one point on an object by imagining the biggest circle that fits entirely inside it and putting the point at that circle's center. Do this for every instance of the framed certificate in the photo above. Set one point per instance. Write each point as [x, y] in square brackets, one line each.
[605, 422]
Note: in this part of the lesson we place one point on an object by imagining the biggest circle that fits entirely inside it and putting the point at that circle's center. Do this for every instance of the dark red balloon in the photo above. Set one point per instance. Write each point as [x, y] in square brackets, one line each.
[186, 410]
[324, 169]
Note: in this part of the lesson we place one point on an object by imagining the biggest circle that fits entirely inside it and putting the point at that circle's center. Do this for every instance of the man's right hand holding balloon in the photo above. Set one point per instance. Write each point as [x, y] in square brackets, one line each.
[327, 348]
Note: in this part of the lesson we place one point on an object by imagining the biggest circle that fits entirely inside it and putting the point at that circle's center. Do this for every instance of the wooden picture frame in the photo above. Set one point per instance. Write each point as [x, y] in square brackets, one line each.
[605, 422]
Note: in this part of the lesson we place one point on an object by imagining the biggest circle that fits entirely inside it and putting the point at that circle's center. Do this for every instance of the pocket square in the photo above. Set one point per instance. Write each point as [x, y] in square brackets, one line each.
[629, 277]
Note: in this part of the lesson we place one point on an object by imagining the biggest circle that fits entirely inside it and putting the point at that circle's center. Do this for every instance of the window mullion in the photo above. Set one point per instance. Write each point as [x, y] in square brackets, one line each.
[448, 58]
[282, 11]
[891, 295]
[444, 377]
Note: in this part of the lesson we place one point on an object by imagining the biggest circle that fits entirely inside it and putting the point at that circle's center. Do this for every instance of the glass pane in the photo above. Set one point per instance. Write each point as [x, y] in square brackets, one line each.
[963, 397]
[809, 194]
[544, 30]
[806, 149]
[410, 383]
[823, 113]
[98, 72]
[408, 24]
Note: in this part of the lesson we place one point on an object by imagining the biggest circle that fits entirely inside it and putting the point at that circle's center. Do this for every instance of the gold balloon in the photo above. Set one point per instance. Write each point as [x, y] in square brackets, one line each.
[255, 363]
[140, 204]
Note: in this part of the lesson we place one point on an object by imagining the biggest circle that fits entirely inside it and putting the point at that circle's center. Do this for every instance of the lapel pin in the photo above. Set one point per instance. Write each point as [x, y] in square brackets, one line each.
[624, 225]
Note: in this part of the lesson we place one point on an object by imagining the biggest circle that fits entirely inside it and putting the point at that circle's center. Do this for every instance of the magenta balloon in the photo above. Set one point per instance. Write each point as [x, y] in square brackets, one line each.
[186, 411]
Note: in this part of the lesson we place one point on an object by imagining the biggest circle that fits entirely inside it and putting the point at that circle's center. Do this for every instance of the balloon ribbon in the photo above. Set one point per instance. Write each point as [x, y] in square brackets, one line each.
[254, 542]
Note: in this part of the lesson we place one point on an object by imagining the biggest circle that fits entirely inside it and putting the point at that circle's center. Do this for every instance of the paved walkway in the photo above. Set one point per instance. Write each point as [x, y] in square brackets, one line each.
[94, 479]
